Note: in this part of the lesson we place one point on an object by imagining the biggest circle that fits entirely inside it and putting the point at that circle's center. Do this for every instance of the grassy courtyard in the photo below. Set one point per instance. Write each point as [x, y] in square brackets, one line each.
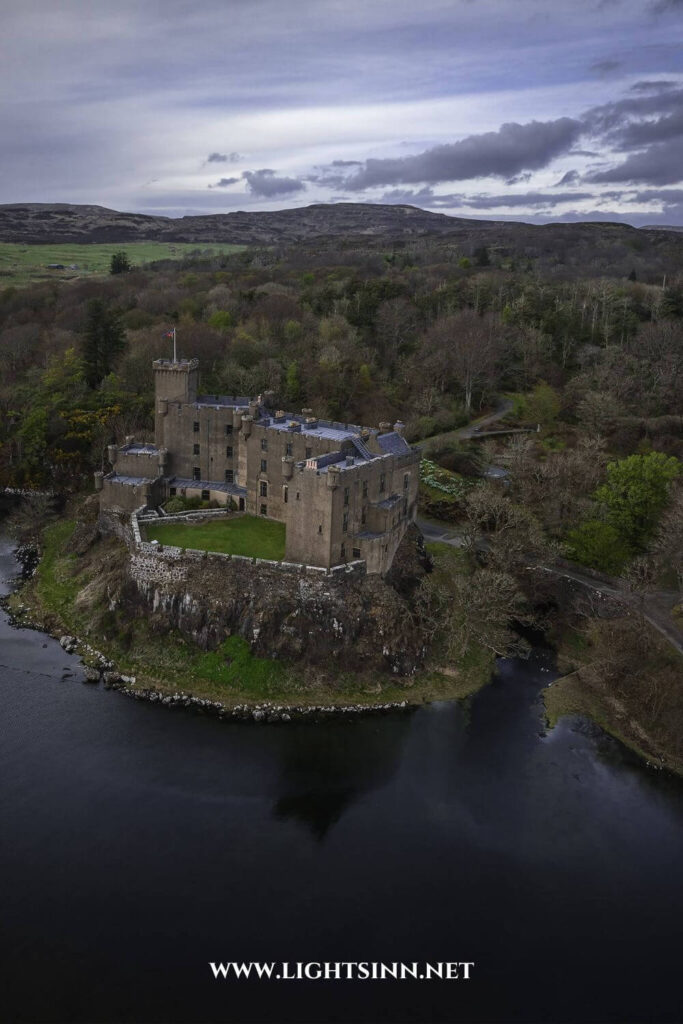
[242, 535]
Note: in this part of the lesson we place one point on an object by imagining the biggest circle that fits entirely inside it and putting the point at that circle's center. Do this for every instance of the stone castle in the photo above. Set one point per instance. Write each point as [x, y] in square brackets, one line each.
[344, 492]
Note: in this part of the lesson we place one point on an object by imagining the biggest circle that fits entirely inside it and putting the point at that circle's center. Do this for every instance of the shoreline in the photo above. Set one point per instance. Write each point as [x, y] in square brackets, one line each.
[25, 610]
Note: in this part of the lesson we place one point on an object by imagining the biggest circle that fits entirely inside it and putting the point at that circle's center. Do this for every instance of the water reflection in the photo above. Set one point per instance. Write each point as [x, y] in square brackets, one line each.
[327, 766]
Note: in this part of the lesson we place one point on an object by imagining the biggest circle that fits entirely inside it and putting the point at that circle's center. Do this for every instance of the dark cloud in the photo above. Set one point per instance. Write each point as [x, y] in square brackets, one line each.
[605, 67]
[223, 158]
[570, 178]
[658, 85]
[224, 182]
[641, 133]
[513, 148]
[660, 164]
[519, 178]
[613, 116]
[483, 200]
[409, 196]
[347, 163]
[266, 183]
[664, 6]
[542, 199]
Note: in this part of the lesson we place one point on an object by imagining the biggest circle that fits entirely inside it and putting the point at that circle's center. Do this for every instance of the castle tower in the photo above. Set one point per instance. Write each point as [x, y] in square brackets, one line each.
[173, 382]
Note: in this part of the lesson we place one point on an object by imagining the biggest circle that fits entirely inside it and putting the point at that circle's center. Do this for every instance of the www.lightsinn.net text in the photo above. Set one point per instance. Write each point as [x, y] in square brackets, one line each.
[344, 970]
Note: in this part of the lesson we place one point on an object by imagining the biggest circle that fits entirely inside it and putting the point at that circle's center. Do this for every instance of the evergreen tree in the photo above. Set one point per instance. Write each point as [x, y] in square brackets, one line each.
[102, 343]
[120, 263]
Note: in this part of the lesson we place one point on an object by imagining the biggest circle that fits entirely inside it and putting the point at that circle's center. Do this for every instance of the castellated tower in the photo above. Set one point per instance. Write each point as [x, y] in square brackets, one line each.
[173, 382]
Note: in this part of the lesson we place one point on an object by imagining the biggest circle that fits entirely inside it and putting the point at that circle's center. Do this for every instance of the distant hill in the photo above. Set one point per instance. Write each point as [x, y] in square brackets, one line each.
[592, 248]
[45, 222]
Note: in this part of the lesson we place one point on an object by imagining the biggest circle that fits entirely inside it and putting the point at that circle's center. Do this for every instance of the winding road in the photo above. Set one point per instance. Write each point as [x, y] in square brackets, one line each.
[655, 606]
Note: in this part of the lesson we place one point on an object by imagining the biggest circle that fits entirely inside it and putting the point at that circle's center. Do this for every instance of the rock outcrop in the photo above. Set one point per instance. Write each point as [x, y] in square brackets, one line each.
[346, 618]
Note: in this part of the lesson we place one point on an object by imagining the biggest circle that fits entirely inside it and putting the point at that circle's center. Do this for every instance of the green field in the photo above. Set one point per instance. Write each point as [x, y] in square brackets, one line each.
[24, 264]
[243, 535]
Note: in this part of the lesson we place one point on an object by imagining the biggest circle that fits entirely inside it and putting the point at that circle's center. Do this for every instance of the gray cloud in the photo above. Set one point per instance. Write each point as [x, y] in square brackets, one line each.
[663, 6]
[657, 85]
[660, 164]
[641, 133]
[506, 152]
[609, 116]
[223, 158]
[519, 178]
[266, 183]
[484, 200]
[605, 67]
[570, 178]
[224, 182]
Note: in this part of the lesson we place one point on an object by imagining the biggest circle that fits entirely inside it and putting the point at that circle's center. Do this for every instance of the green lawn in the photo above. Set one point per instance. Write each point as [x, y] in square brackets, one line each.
[24, 264]
[243, 535]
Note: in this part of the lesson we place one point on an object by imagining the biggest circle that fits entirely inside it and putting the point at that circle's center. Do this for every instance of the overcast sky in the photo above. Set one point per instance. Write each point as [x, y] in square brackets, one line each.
[526, 109]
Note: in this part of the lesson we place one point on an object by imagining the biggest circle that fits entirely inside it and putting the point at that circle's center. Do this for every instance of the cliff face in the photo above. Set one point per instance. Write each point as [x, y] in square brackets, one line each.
[347, 619]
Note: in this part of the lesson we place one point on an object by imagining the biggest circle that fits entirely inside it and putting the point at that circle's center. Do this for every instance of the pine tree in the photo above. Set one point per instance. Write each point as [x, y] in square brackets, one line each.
[102, 343]
[120, 263]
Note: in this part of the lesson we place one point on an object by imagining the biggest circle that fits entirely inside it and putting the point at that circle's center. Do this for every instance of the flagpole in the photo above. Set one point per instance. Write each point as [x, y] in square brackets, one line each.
[175, 358]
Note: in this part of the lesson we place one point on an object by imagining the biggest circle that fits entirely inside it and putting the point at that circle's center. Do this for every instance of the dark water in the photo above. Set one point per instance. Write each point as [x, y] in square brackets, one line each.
[139, 844]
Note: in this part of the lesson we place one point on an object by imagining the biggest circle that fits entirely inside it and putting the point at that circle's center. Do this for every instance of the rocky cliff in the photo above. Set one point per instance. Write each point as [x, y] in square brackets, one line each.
[343, 620]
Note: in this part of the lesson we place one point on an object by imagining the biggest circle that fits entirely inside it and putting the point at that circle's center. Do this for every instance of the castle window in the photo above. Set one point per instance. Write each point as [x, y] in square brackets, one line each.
[264, 444]
[309, 453]
[195, 426]
[263, 489]
[264, 510]
[264, 466]
[406, 480]
[362, 516]
[171, 492]
[320, 528]
[229, 476]
[365, 488]
[405, 506]
[382, 483]
[196, 473]
[345, 522]
[228, 429]
[206, 495]
[346, 495]
[195, 449]
[228, 452]
[356, 552]
[342, 553]
[298, 495]
[285, 494]
[289, 448]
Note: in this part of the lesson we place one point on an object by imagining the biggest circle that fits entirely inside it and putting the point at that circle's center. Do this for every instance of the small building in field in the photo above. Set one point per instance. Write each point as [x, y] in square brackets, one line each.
[345, 492]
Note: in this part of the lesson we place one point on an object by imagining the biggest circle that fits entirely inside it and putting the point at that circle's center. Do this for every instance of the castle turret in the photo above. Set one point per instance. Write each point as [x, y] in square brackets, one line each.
[173, 382]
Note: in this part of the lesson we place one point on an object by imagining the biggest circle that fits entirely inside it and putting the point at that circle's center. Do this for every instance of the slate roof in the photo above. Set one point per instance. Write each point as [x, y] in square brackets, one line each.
[139, 449]
[208, 485]
[129, 481]
[393, 444]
